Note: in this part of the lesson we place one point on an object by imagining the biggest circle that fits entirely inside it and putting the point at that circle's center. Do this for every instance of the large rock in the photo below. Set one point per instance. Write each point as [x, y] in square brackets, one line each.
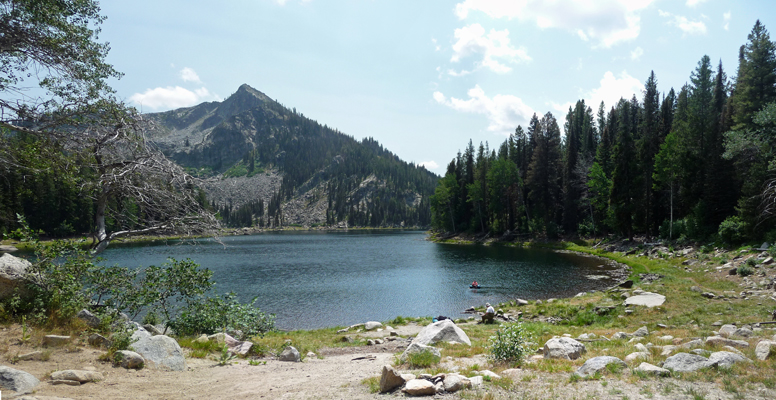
[442, 331]
[12, 276]
[595, 364]
[419, 387]
[640, 355]
[764, 349]
[726, 359]
[55, 340]
[646, 299]
[649, 369]
[128, 359]
[641, 332]
[685, 362]
[567, 348]
[418, 348]
[161, 352]
[290, 353]
[16, 380]
[236, 346]
[720, 341]
[372, 325]
[77, 376]
[727, 330]
[390, 379]
[90, 319]
[456, 382]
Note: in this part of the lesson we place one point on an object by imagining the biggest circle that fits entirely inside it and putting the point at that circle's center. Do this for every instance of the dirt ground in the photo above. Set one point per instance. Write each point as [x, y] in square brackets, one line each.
[335, 374]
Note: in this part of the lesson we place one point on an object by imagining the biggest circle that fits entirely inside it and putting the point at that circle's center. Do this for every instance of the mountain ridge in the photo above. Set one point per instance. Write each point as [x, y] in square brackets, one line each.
[249, 133]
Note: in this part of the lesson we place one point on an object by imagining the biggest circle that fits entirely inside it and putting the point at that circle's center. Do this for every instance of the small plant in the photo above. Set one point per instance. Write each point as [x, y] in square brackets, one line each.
[226, 356]
[422, 359]
[26, 335]
[510, 344]
[373, 383]
[256, 362]
[745, 270]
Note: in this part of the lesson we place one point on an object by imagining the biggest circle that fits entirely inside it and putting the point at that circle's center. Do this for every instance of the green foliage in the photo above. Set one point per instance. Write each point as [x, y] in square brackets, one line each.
[211, 315]
[745, 270]
[422, 359]
[226, 357]
[732, 230]
[174, 284]
[510, 344]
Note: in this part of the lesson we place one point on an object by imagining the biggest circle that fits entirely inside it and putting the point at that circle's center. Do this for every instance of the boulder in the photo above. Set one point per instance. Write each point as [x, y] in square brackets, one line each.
[720, 341]
[390, 379]
[476, 381]
[16, 380]
[128, 359]
[12, 276]
[35, 355]
[97, 340]
[621, 335]
[567, 348]
[641, 332]
[726, 359]
[419, 387]
[442, 331]
[650, 369]
[640, 347]
[595, 364]
[455, 382]
[685, 362]
[726, 330]
[290, 353]
[77, 375]
[372, 325]
[236, 346]
[139, 334]
[55, 340]
[693, 344]
[640, 355]
[418, 348]
[646, 299]
[161, 352]
[764, 349]
[90, 319]
[742, 332]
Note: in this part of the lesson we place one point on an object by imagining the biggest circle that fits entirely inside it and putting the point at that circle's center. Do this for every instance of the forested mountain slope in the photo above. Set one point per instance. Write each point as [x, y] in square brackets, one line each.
[269, 165]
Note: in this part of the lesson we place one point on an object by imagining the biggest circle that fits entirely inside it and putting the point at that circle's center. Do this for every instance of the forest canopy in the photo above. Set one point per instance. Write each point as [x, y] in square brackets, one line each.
[697, 163]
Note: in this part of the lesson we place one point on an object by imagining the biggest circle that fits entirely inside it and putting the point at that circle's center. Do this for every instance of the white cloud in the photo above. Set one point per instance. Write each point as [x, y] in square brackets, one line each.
[637, 53]
[726, 17]
[693, 3]
[612, 89]
[169, 97]
[687, 26]
[606, 22]
[429, 164]
[188, 75]
[504, 112]
[493, 46]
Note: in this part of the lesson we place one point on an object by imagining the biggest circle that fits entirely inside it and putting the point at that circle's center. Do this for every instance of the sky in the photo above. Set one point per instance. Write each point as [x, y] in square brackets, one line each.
[422, 77]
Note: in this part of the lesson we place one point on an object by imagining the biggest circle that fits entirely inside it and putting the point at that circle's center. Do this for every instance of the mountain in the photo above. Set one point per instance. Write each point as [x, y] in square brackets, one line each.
[269, 165]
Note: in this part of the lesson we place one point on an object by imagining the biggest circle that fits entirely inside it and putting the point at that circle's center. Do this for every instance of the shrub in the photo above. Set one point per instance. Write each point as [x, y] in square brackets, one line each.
[510, 344]
[422, 359]
[732, 230]
[745, 270]
[211, 315]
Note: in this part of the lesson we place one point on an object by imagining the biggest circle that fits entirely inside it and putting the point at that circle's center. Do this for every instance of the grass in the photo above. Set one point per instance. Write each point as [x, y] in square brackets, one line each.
[373, 383]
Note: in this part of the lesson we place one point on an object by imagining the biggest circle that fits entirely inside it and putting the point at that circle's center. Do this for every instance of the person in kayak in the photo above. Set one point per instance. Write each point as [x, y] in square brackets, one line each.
[475, 284]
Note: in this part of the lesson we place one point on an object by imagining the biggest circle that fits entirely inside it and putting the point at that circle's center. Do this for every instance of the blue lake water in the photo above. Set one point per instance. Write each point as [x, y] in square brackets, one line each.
[322, 279]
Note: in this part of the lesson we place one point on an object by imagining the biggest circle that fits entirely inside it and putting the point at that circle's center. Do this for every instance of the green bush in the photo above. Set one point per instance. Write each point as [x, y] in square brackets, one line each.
[422, 359]
[732, 230]
[211, 315]
[510, 344]
[745, 270]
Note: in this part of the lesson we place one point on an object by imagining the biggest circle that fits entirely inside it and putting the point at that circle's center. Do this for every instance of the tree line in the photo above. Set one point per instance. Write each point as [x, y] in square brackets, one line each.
[698, 164]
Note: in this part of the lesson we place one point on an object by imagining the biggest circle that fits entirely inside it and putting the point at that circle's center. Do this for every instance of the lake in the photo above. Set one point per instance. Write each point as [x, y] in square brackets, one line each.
[322, 279]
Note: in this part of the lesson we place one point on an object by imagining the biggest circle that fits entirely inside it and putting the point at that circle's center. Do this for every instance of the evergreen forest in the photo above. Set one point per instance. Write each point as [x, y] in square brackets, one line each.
[696, 163]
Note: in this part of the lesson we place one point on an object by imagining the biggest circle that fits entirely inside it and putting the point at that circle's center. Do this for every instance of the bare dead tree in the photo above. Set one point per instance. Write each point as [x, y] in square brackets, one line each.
[131, 182]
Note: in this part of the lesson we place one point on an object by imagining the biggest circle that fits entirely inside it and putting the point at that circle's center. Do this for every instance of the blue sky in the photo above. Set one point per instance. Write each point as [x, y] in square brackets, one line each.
[421, 76]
